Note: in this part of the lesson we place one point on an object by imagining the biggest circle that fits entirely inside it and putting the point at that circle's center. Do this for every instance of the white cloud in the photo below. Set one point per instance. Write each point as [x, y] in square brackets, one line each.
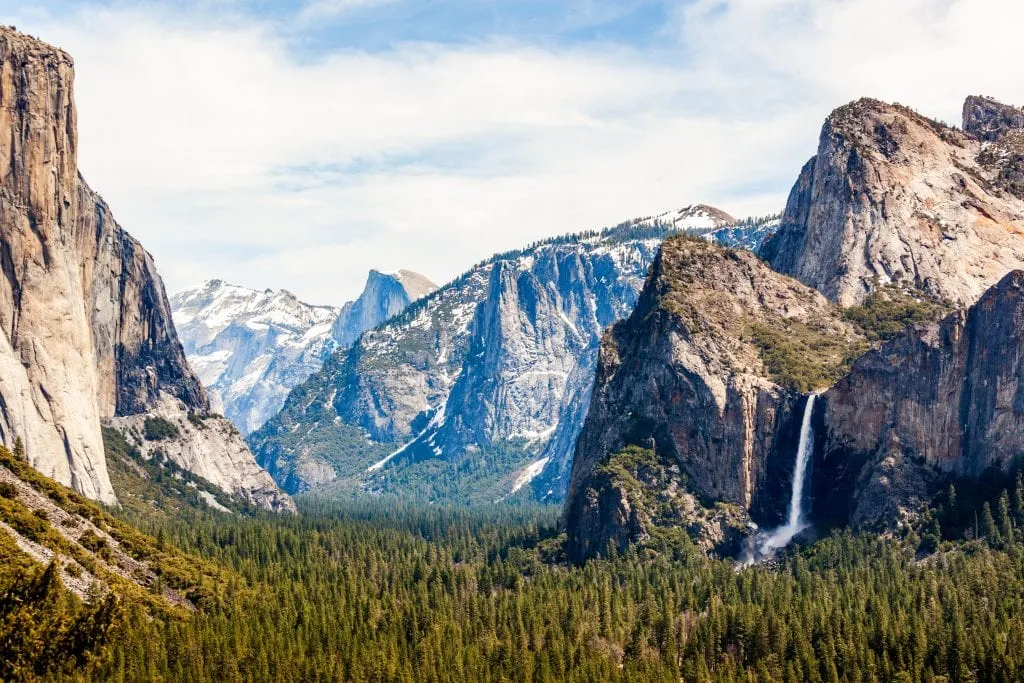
[229, 156]
[927, 54]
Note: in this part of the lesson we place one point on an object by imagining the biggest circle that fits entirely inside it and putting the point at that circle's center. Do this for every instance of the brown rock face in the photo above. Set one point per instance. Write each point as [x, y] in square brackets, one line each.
[893, 196]
[683, 378]
[941, 398]
[86, 325]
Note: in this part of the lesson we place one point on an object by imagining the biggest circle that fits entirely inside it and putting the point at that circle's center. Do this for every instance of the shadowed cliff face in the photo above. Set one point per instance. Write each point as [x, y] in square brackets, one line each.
[87, 332]
[683, 378]
[945, 398]
[892, 196]
[138, 352]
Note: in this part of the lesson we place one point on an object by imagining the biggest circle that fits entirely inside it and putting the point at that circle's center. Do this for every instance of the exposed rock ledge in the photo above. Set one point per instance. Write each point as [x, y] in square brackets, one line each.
[208, 446]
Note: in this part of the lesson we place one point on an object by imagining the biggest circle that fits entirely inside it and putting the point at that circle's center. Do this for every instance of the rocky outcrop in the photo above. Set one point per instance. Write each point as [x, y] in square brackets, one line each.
[87, 331]
[491, 373]
[208, 446]
[989, 120]
[249, 347]
[689, 377]
[892, 196]
[945, 398]
[384, 296]
[1000, 128]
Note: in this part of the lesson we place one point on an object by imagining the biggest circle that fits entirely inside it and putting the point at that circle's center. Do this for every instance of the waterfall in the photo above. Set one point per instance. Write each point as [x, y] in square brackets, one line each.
[780, 537]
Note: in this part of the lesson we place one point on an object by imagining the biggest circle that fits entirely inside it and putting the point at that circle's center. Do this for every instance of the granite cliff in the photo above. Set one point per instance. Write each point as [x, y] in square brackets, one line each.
[894, 197]
[938, 400]
[697, 398]
[384, 296]
[87, 331]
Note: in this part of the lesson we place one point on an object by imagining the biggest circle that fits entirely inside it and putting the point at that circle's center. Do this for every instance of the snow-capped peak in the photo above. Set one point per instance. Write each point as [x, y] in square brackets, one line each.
[251, 347]
[697, 218]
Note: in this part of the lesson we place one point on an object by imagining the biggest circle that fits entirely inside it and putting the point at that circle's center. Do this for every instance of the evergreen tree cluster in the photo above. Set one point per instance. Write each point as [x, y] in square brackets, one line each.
[386, 591]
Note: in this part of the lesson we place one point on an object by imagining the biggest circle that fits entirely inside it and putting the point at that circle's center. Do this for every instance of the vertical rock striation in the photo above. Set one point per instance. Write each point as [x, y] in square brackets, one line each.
[944, 398]
[87, 331]
[989, 120]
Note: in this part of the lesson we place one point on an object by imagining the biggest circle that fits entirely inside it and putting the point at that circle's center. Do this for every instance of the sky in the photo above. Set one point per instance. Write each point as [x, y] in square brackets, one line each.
[297, 144]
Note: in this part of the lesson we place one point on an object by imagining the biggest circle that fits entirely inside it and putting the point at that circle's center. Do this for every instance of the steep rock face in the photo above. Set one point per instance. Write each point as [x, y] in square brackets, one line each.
[384, 296]
[87, 332]
[138, 353]
[49, 383]
[532, 347]
[682, 378]
[500, 359]
[893, 196]
[945, 398]
[1001, 130]
[249, 347]
[989, 120]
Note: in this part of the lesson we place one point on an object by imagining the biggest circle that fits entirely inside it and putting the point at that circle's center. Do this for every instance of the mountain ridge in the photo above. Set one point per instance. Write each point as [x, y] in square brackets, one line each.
[251, 347]
[384, 401]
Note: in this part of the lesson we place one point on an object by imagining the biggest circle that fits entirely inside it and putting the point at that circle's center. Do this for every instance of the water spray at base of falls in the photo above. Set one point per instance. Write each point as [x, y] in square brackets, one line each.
[770, 542]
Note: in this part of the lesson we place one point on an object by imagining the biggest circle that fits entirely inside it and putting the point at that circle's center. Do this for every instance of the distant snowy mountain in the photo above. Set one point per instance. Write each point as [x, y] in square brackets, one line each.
[749, 234]
[479, 389]
[250, 347]
[693, 219]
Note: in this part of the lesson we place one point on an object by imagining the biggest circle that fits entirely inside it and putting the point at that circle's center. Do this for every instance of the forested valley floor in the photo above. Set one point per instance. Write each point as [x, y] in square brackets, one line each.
[383, 591]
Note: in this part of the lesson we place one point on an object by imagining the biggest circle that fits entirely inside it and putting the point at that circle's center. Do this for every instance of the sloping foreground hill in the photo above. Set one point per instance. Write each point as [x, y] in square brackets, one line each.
[70, 572]
[376, 591]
